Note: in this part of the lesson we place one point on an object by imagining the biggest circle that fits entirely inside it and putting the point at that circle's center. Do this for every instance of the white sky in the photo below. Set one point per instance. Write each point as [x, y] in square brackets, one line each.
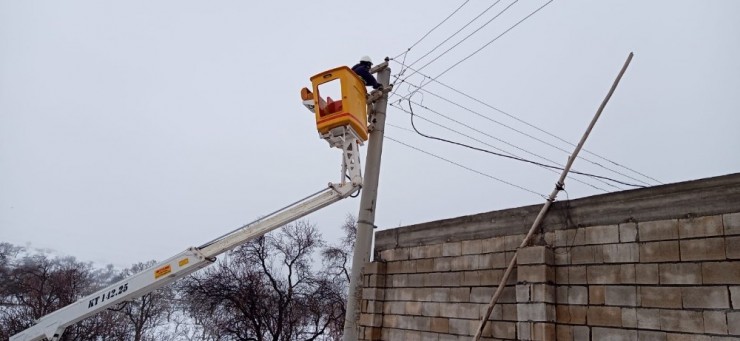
[131, 130]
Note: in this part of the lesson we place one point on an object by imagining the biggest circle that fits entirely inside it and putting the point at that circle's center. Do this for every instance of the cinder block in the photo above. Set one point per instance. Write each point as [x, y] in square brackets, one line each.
[702, 249]
[535, 255]
[468, 311]
[412, 308]
[442, 264]
[400, 280]
[390, 321]
[513, 242]
[735, 297]
[628, 232]
[425, 265]
[732, 223]
[681, 321]
[705, 297]
[550, 239]
[733, 323]
[561, 275]
[535, 293]
[544, 331]
[577, 275]
[375, 294]
[472, 247]
[620, 295]
[451, 249]
[492, 261]
[654, 252]
[715, 322]
[700, 227]
[493, 277]
[680, 273]
[604, 316]
[462, 327]
[509, 312]
[646, 273]
[648, 335]
[394, 308]
[469, 262]
[588, 254]
[425, 251]
[430, 308]
[401, 267]
[596, 295]
[416, 280]
[603, 274]
[627, 273]
[427, 336]
[658, 230]
[537, 312]
[648, 318]
[577, 295]
[460, 294]
[374, 268]
[733, 247]
[621, 253]
[721, 272]
[373, 320]
[535, 273]
[606, 234]
[614, 334]
[395, 254]
[447, 309]
[660, 297]
[629, 318]
[562, 256]
[470, 278]
[564, 332]
[504, 330]
[581, 333]
[496, 244]
[687, 337]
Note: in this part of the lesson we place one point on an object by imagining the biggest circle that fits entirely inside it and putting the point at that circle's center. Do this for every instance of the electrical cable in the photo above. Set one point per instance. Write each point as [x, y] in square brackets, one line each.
[454, 34]
[433, 28]
[494, 147]
[461, 41]
[530, 125]
[465, 167]
[512, 157]
[492, 40]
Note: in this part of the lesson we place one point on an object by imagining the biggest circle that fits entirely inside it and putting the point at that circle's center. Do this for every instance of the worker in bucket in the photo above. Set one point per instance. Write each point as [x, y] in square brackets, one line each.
[362, 69]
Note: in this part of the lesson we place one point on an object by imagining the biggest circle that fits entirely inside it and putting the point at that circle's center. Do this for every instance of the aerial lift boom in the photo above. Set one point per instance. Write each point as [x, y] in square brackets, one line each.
[343, 126]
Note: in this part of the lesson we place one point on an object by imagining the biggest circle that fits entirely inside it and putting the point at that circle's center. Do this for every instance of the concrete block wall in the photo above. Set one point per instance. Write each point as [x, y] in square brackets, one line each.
[650, 264]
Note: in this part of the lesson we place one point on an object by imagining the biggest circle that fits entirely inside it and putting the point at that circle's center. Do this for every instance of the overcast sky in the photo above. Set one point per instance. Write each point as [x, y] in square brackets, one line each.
[131, 130]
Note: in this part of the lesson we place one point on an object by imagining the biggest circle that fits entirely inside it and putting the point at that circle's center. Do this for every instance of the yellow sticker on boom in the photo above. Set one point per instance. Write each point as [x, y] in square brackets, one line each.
[162, 271]
[183, 262]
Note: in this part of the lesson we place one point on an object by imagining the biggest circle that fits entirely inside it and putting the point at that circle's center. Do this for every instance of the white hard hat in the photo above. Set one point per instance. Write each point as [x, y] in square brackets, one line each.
[366, 59]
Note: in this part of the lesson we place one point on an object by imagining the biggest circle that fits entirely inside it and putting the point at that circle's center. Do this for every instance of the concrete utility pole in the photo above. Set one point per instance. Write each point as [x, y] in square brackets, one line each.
[559, 186]
[366, 216]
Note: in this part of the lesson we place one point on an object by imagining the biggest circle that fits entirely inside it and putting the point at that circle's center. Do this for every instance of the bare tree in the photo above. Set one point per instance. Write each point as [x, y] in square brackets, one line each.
[146, 313]
[268, 289]
[35, 285]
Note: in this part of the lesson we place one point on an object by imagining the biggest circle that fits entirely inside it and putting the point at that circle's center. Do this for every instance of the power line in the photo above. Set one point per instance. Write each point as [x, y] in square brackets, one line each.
[512, 157]
[492, 40]
[461, 41]
[433, 28]
[528, 124]
[464, 167]
[492, 137]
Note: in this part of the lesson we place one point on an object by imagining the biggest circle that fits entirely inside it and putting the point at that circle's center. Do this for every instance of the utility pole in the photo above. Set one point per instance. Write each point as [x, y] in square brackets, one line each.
[559, 186]
[366, 216]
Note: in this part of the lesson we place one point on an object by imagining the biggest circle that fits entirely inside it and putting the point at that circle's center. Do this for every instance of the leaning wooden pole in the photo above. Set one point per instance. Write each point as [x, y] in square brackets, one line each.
[558, 187]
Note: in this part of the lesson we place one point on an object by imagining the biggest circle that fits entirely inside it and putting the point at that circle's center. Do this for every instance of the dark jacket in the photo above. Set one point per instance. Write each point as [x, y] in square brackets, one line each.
[363, 70]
